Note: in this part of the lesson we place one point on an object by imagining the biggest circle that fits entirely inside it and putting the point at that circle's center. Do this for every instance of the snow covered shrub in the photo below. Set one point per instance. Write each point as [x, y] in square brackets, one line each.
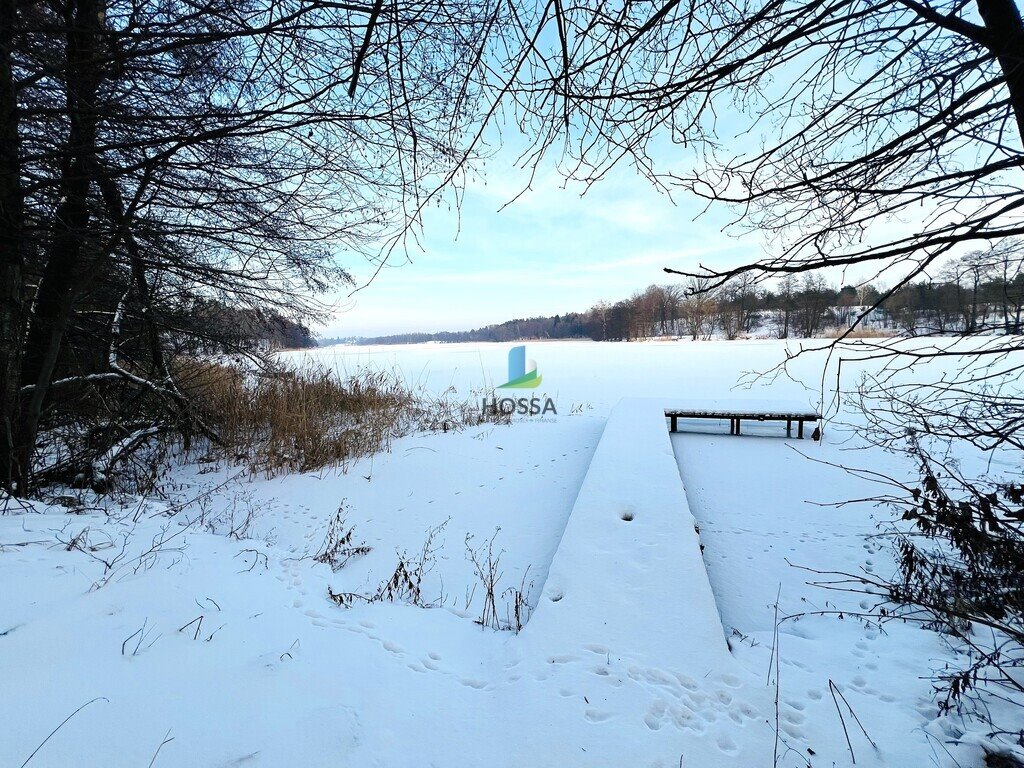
[958, 538]
[448, 412]
[339, 544]
[409, 583]
[235, 519]
[962, 565]
[486, 566]
[405, 585]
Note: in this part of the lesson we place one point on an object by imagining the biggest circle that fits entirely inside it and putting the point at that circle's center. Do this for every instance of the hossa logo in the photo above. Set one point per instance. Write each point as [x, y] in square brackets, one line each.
[522, 373]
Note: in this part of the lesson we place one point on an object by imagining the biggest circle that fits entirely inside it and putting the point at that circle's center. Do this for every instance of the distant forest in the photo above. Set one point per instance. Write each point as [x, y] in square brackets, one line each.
[982, 292]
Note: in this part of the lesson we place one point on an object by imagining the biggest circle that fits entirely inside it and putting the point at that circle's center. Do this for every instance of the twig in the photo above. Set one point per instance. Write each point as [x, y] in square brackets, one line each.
[167, 740]
[778, 684]
[133, 634]
[199, 626]
[857, 719]
[842, 720]
[63, 722]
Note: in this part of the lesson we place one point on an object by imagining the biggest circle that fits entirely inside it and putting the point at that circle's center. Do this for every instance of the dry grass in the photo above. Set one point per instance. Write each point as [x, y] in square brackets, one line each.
[307, 419]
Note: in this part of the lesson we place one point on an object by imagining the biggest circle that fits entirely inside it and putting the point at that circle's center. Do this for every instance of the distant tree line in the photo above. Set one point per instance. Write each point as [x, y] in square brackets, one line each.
[982, 292]
[569, 326]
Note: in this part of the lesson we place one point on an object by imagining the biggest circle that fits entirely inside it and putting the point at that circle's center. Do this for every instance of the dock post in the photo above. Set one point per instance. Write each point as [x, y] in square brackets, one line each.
[800, 430]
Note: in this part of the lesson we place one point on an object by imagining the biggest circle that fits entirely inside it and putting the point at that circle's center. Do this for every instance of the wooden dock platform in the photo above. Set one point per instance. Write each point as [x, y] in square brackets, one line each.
[738, 411]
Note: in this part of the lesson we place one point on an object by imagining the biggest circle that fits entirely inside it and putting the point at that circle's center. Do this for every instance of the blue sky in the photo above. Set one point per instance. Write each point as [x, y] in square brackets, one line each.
[553, 250]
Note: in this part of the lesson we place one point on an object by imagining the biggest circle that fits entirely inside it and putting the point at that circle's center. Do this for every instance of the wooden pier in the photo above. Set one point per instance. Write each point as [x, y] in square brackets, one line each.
[738, 413]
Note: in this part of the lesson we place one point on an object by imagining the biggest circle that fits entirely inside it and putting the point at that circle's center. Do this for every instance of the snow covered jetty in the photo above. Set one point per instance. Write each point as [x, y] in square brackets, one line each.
[612, 565]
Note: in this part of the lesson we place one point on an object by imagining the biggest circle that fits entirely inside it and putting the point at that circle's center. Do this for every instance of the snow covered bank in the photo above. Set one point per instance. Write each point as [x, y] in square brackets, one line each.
[227, 643]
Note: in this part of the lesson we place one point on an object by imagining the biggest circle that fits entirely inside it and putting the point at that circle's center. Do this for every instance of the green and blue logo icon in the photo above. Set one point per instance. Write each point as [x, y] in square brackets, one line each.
[522, 373]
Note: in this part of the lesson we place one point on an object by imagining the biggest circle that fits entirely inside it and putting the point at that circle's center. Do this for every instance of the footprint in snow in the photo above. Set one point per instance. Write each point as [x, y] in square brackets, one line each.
[726, 744]
[652, 722]
[731, 680]
[793, 717]
[563, 659]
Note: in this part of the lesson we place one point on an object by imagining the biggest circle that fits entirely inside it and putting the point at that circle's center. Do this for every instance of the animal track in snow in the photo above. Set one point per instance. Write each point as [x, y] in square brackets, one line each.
[726, 744]
[562, 659]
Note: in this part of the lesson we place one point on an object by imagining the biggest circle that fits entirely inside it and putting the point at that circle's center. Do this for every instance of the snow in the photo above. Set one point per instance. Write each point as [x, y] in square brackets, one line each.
[747, 406]
[641, 650]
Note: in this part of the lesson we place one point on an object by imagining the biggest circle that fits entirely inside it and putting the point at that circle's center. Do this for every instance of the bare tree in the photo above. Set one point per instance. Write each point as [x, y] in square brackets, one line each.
[698, 309]
[672, 296]
[785, 300]
[737, 306]
[159, 154]
[839, 152]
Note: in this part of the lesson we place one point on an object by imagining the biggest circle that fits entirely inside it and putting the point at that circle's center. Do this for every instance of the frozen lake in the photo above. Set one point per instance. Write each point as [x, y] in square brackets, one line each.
[594, 374]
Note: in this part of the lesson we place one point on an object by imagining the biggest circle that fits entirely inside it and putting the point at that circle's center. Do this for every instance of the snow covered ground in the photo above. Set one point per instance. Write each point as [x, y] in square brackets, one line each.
[198, 629]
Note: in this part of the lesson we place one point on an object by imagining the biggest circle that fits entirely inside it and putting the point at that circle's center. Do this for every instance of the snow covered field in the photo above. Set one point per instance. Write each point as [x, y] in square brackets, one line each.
[201, 630]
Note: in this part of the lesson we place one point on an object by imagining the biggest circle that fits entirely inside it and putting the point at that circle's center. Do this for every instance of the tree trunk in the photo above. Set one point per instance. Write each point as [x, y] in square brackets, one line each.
[1003, 22]
[12, 252]
[64, 271]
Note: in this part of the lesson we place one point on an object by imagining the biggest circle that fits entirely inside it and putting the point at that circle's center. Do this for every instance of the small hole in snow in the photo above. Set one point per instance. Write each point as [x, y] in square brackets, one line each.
[627, 516]
[557, 596]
